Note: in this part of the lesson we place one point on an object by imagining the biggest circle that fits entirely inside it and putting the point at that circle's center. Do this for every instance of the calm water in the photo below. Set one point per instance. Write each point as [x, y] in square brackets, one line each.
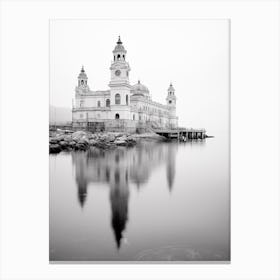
[153, 202]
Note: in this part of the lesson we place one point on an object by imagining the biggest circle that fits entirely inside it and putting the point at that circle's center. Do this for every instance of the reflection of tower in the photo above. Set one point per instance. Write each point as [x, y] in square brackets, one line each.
[82, 192]
[119, 203]
[80, 162]
[170, 167]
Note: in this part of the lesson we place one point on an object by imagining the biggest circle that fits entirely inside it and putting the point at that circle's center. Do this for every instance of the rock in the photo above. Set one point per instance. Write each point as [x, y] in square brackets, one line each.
[111, 138]
[63, 144]
[119, 142]
[80, 146]
[84, 139]
[92, 136]
[93, 142]
[59, 137]
[83, 142]
[131, 138]
[53, 141]
[72, 144]
[76, 136]
[67, 138]
[130, 143]
[54, 149]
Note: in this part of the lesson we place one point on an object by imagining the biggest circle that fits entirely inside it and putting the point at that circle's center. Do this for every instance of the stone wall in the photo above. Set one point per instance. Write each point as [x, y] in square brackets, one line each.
[120, 126]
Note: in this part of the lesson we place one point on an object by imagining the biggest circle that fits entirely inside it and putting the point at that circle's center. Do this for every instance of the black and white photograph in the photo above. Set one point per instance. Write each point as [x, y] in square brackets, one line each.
[139, 141]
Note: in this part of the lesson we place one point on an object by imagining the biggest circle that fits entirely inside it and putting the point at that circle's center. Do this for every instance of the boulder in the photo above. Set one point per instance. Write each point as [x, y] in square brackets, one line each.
[54, 149]
[92, 136]
[72, 144]
[110, 138]
[78, 135]
[131, 143]
[67, 138]
[80, 146]
[83, 142]
[121, 138]
[119, 142]
[53, 141]
[63, 144]
[84, 139]
[93, 142]
[59, 137]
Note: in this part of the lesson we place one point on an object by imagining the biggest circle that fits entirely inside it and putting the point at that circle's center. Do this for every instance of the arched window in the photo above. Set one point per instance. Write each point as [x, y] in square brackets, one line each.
[117, 116]
[117, 99]
[126, 99]
[81, 103]
[82, 82]
[107, 102]
[133, 117]
[114, 57]
[119, 56]
[123, 57]
[98, 104]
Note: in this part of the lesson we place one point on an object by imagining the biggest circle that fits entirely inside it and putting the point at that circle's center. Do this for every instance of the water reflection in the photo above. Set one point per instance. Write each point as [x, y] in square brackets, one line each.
[118, 169]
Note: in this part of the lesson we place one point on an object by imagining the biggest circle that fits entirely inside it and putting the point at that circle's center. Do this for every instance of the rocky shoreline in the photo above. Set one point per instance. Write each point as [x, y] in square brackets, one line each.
[82, 140]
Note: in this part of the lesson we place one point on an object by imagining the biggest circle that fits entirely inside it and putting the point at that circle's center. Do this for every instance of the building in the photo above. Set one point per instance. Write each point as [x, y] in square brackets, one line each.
[123, 106]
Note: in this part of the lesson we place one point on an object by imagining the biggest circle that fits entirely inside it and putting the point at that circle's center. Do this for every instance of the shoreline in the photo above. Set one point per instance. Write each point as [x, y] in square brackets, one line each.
[83, 140]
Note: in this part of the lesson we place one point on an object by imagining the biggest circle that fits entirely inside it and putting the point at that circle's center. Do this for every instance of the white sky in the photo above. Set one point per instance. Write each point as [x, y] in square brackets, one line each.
[192, 54]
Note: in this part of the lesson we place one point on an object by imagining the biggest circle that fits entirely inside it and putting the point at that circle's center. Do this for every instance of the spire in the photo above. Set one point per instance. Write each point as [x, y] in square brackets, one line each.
[82, 78]
[171, 88]
[119, 41]
[82, 74]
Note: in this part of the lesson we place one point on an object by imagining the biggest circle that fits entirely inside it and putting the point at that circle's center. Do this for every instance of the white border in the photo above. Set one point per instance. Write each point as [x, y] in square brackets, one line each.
[255, 138]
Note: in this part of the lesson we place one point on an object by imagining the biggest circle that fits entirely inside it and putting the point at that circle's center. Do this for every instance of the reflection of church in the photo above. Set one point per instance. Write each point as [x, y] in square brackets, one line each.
[117, 169]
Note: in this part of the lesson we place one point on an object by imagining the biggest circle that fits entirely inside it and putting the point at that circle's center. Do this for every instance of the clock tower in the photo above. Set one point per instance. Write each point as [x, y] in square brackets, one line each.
[119, 66]
[119, 83]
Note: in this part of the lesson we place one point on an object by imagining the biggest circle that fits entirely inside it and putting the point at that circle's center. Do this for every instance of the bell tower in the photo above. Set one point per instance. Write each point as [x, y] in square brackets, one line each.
[82, 78]
[119, 66]
[171, 98]
[82, 86]
[119, 83]
[171, 104]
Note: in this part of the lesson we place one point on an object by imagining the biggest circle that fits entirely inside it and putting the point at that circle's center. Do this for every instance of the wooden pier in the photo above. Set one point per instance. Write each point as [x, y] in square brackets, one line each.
[182, 133]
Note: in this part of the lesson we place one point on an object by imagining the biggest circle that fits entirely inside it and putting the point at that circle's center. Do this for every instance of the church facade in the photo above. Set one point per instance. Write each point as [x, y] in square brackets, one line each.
[123, 107]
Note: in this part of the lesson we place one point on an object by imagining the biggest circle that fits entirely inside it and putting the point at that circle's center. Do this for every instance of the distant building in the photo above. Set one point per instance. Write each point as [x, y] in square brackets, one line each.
[122, 106]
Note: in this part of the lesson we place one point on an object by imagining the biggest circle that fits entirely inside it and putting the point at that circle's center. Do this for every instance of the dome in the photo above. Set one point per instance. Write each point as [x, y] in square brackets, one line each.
[82, 74]
[119, 47]
[140, 89]
[171, 88]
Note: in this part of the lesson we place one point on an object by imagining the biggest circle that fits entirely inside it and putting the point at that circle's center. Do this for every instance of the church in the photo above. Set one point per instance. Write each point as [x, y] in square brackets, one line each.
[122, 107]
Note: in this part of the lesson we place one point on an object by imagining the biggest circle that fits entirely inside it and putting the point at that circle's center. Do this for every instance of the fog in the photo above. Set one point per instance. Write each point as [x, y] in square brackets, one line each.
[192, 54]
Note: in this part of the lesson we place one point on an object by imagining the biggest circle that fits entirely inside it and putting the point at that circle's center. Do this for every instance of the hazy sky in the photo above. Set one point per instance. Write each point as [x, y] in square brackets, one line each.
[192, 54]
